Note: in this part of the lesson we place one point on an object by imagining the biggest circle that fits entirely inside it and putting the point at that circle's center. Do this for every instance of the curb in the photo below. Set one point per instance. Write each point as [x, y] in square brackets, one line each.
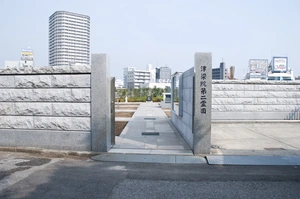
[52, 153]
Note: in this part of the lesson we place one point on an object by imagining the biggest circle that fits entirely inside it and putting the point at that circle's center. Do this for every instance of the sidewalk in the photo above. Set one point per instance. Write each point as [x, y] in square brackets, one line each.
[149, 131]
[264, 138]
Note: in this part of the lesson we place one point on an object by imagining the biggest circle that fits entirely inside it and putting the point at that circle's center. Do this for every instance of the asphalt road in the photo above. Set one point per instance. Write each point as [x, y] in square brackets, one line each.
[26, 176]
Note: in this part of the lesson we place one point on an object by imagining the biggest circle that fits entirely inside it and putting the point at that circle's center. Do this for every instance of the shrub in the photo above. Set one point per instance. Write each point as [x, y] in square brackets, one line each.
[157, 99]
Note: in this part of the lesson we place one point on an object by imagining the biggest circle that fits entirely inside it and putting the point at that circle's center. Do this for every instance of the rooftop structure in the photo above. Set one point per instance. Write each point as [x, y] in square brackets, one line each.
[26, 60]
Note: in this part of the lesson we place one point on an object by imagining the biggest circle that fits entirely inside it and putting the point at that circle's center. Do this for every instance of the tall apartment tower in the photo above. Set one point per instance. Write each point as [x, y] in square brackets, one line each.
[69, 39]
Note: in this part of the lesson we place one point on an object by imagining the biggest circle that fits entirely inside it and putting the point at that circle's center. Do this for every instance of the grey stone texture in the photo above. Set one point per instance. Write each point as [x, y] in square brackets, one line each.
[183, 121]
[65, 123]
[202, 121]
[72, 109]
[78, 68]
[254, 100]
[71, 81]
[47, 107]
[100, 104]
[33, 109]
[47, 139]
[16, 122]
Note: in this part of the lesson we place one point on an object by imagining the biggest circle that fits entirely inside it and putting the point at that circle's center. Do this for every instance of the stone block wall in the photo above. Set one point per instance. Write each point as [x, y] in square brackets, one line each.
[184, 121]
[254, 100]
[46, 107]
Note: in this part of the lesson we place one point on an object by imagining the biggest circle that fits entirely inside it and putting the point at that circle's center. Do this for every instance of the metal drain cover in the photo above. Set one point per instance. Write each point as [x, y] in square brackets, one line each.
[149, 118]
[150, 133]
[274, 149]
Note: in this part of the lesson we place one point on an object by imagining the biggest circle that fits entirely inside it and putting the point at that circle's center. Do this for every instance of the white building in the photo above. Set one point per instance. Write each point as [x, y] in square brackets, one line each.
[69, 39]
[155, 85]
[146, 78]
[26, 60]
[152, 73]
[119, 83]
[137, 77]
[134, 78]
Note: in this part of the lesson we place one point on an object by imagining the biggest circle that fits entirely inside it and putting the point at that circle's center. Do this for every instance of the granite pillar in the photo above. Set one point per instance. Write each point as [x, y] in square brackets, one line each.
[202, 103]
[100, 104]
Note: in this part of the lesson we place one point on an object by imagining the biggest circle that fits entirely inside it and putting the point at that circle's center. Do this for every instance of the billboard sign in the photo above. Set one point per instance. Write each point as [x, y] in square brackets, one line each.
[258, 66]
[27, 52]
[280, 64]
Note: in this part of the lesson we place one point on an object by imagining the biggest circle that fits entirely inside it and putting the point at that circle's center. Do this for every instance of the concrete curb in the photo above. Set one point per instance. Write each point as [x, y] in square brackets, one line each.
[48, 152]
[255, 121]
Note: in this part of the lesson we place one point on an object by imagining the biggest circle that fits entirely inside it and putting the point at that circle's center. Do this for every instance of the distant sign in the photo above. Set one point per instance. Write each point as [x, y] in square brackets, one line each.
[280, 64]
[27, 52]
[163, 81]
[258, 66]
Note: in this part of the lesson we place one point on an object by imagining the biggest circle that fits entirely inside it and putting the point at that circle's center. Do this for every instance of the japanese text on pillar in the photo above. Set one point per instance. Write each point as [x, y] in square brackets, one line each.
[203, 90]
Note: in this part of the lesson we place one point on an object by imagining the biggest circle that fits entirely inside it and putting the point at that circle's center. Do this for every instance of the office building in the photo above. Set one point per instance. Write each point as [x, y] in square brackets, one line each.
[163, 75]
[119, 83]
[137, 77]
[125, 75]
[220, 73]
[148, 78]
[134, 78]
[69, 39]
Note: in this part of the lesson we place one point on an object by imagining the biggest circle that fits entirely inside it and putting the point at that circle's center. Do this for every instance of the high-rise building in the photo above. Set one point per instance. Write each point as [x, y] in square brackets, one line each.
[69, 39]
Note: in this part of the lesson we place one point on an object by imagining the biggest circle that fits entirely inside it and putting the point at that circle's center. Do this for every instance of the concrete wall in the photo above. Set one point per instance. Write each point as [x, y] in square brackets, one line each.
[254, 100]
[46, 107]
[184, 120]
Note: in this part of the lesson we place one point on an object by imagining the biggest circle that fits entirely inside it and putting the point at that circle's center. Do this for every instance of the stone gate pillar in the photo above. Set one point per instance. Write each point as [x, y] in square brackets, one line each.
[100, 104]
[202, 103]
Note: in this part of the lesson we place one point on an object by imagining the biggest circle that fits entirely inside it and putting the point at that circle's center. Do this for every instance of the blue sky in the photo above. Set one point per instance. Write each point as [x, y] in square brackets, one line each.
[162, 32]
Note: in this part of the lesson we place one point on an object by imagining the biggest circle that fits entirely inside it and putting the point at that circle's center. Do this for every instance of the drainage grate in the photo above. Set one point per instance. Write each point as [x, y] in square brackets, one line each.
[274, 149]
[149, 118]
[150, 133]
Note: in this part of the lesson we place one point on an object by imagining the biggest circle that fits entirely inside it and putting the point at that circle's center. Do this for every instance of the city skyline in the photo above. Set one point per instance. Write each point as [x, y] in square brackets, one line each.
[135, 33]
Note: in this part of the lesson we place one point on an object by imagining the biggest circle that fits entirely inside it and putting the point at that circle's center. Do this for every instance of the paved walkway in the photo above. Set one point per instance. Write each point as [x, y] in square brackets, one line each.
[280, 138]
[150, 132]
